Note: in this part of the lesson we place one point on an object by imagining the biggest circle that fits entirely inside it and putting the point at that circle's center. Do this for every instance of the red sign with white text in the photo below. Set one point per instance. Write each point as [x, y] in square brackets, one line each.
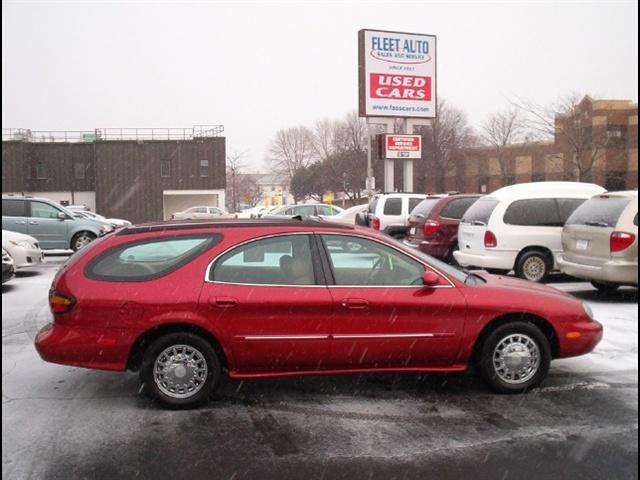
[403, 146]
[400, 87]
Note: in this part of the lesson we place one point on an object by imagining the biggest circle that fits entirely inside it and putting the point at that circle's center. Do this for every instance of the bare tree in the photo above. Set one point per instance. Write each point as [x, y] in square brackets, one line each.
[499, 132]
[446, 139]
[291, 149]
[583, 144]
[235, 165]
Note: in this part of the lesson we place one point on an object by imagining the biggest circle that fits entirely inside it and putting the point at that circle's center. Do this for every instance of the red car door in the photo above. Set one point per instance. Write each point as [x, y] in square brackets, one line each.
[385, 317]
[266, 299]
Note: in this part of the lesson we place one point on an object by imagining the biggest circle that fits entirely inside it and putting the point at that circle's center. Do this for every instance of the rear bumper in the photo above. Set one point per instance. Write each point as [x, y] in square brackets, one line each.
[435, 249]
[105, 349]
[615, 271]
[501, 260]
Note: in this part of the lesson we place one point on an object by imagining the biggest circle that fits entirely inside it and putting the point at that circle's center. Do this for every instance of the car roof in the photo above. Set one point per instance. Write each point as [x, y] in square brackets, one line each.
[27, 197]
[624, 193]
[186, 225]
[546, 189]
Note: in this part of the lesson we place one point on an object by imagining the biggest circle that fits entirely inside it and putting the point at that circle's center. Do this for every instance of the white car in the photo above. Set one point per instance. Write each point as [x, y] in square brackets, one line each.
[201, 213]
[390, 212]
[519, 227]
[84, 212]
[348, 216]
[24, 249]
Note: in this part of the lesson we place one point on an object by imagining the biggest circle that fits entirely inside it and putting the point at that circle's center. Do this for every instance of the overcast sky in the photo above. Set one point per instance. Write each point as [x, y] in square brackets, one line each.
[256, 67]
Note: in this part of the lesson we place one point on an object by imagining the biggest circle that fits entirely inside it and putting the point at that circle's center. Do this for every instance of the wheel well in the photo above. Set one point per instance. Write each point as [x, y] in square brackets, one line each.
[532, 248]
[544, 326]
[136, 353]
[80, 233]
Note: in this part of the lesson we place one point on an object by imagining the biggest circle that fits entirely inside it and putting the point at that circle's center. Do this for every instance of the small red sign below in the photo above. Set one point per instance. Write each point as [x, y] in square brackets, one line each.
[403, 146]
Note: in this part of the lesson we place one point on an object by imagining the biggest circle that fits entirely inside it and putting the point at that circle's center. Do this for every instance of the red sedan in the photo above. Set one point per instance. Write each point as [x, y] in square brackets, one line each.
[181, 302]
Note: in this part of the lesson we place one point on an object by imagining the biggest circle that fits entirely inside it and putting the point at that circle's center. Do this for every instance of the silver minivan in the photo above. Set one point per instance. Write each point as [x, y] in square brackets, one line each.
[50, 223]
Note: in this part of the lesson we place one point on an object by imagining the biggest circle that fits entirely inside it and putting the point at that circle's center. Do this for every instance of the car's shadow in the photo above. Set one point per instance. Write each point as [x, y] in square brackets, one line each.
[7, 288]
[28, 273]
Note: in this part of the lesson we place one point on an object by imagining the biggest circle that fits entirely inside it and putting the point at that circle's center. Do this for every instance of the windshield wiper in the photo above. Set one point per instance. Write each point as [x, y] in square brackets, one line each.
[596, 224]
[479, 222]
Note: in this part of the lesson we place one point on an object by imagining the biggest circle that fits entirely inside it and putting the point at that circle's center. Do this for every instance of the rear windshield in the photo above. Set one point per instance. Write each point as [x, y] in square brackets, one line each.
[424, 208]
[480, 212]
[149, 259]
[373, 204]
[457, 208]
[602, 211]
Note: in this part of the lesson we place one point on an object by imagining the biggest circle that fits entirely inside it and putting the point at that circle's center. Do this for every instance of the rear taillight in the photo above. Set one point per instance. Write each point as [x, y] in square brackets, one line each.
[375, 223]
[490, 240]
[431, 228]
[60, 302]
[621, 240]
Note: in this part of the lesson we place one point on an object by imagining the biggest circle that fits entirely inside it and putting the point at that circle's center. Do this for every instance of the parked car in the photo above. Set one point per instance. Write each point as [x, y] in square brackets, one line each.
[24, 249]
[51, 224]
[178, 305]
[433, 225]
[389, 212]
[199, 213]
[308, 210]
[600, 241]
[348, 216]
[8, 267]
[116, 222]
[519, 227]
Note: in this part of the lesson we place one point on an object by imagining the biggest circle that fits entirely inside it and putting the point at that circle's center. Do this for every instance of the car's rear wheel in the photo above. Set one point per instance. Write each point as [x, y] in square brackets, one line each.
[515, 358]
[81, 239]
[604, 287]
[534, 266]
[180, 370]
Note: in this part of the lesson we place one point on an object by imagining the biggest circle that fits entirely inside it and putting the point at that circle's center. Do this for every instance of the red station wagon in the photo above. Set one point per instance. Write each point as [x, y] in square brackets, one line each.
[182, 301]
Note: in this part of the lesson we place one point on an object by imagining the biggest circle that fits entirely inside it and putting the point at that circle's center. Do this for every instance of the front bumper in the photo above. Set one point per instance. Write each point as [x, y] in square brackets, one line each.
[570, 344]
[99, 348]
[614, 271]
[28, 257]
[496, 259]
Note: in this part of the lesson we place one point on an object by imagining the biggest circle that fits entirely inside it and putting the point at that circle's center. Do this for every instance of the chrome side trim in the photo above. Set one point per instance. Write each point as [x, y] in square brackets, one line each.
[391, 335]
[282, 337]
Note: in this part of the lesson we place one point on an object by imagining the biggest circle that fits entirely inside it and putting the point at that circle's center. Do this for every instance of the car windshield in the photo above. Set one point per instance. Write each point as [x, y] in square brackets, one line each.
[480, 212]
[439, 264]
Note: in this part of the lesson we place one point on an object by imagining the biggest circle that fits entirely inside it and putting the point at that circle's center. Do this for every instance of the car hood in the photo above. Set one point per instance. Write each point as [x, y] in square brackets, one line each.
[17, 237]
[518, 284]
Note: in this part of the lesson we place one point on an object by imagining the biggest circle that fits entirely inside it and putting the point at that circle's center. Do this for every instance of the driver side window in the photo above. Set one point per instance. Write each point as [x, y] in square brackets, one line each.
[357, 261]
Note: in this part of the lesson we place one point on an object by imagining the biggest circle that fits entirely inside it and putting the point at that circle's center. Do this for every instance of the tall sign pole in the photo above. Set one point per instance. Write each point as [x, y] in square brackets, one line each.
[397, 79]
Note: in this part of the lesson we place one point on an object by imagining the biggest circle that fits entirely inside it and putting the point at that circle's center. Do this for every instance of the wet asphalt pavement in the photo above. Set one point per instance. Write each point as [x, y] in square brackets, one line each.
[66, 423]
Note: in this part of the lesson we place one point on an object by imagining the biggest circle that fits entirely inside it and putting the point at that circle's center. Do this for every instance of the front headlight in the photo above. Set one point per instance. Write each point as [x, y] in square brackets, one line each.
[21, 243]
[104, 229]
[587, 309]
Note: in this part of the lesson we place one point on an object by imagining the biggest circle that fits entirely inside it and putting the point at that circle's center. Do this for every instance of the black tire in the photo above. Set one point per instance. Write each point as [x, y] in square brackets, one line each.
[496, 376]
[605, 287]
[81, 239]
[534, 265]
[173, 394]
[451, 258]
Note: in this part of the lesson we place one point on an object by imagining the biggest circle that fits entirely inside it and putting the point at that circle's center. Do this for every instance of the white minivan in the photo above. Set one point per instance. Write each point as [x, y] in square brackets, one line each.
[519, 227]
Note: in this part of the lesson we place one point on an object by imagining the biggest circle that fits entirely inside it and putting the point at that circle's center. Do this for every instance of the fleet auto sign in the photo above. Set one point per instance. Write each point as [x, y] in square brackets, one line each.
[397, 74]
[403, 146]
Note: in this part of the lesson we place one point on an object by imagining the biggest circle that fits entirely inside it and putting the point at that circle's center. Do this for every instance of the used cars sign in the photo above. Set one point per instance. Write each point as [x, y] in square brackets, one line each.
[397, 74]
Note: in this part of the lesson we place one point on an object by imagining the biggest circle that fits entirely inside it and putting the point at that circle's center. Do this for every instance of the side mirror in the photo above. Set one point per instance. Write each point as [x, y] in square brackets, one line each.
[62, 216]
[430, 278]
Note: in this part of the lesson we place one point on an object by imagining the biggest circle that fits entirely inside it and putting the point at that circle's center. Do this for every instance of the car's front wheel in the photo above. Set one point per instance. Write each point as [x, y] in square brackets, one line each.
[515, 358]
[180, 370]
[81, 239]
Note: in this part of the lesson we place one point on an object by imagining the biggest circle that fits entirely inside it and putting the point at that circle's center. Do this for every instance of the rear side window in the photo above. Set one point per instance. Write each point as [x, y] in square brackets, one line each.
[424, 207]
[149, 259]
[602, 211]
[480, 212]
[567, 206]
[393, 206]
[13, 208]
[539, 212]
[456, 208]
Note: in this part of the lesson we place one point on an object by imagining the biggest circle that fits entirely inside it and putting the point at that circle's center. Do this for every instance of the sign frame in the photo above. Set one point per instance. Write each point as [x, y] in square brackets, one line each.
[364, 77]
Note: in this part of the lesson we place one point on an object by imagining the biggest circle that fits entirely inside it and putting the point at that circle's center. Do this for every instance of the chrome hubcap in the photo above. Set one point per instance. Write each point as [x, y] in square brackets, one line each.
[534, 268]
[83, 241]
[516, 359]
[180, 371]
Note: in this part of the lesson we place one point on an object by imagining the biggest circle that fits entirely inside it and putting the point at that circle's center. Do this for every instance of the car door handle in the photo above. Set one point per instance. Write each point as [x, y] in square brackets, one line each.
[21, 222]
[223, 302]
[355, 304]
[34, 223]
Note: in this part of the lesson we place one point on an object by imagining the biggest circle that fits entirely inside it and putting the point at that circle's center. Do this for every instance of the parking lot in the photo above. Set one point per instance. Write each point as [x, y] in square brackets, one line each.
[61, 422]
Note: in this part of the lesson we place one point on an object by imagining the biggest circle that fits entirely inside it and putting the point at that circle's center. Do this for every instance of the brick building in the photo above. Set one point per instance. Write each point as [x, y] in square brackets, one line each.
[597, 143]
[137, 174]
